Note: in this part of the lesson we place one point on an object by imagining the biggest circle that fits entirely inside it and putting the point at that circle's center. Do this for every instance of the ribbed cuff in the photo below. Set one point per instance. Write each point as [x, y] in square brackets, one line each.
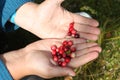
[4, 73]
[9, 9]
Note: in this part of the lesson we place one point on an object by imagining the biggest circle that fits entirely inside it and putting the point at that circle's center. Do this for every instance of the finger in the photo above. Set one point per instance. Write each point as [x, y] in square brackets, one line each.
[84, 45]
[88, 36]
[60, 42]
[86, 28]
[75, 41]
[81, 60]
[57, 71]
[47, 45]
[84, 20]
[87, 50]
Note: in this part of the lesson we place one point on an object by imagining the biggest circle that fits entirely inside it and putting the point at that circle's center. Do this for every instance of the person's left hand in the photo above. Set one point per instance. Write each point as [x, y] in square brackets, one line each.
[50, 20]
[36, 58]
[85, 52]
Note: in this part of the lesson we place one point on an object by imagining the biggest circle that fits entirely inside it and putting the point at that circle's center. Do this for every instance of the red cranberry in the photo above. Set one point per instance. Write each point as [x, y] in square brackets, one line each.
[65, 43]
[54, 47]
[73, 49]
[64, 64]
[61, 48]
[67, 59]
[55, 58]
[66, 49]
[69, 34]
[71, 24]
[59, 63]
[57, 50]
[57, 54]
[53, 52]
[61, 51]
[76, 36]
[73, 31]
[70, 43]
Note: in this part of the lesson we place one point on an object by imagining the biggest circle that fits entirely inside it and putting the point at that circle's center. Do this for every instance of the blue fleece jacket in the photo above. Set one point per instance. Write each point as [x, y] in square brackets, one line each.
[7, 8]
[4, 74]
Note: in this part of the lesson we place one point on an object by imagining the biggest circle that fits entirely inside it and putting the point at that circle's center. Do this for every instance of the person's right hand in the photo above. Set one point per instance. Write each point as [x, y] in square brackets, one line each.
[50, 20]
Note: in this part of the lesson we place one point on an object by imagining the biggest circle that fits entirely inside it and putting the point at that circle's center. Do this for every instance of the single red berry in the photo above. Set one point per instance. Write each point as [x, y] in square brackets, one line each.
[55, 58]
[71, 24]
[61, 51]
[66, 49]
[53, 47]
[60, 63]
[76, 36]
[65, 43]
[57, 50]
[73, 49]
[53, 52]
[73, 31]
[64, 64]
[67, 59]
[70, 29]
[70, 43]
[57, 53]
[61, 48]
[69, 34]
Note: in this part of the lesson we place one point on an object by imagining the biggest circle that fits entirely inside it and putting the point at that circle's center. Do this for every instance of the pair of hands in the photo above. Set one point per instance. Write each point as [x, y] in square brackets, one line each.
[50, 20]
[36, 59]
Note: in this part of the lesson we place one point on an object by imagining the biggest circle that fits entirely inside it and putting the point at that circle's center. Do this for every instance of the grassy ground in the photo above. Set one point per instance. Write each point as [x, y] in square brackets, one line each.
[107, 12]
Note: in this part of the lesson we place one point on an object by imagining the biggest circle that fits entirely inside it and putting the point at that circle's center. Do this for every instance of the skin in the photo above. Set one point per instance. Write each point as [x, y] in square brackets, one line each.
[48, 19]
[36, 59]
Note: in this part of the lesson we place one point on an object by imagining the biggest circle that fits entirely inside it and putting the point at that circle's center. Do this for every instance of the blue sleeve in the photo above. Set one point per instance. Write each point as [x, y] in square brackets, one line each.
[7, 8]
[4, 73]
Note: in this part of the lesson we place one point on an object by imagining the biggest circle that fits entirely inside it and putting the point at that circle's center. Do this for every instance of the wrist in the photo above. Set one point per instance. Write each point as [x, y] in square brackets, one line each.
[15, 63]
[25, 15]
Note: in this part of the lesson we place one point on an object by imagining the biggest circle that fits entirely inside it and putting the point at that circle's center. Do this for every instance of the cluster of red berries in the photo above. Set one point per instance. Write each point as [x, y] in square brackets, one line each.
[62, 55]
[72, 31]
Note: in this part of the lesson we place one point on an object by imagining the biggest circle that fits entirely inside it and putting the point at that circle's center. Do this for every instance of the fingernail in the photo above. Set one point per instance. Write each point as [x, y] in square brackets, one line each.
[71, 74]
[96, 23]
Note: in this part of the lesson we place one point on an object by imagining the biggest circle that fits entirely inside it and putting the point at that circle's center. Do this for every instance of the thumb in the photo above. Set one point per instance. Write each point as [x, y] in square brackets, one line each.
[61, 71]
